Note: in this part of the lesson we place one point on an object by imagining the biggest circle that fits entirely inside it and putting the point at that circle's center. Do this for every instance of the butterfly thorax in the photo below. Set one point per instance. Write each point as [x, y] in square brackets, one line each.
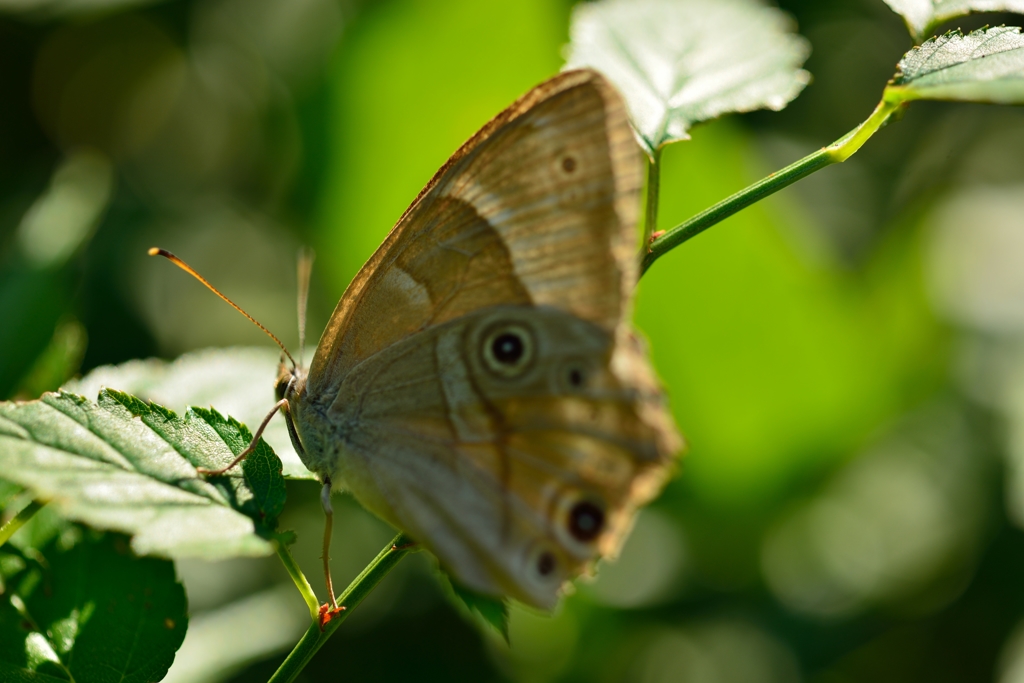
[316, 439]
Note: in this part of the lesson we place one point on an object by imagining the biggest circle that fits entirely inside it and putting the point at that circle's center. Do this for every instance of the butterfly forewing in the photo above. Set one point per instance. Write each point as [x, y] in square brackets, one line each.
[504, 222]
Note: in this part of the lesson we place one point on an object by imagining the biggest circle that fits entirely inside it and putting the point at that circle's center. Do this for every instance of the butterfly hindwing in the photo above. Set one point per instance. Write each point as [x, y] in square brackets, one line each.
[489, 461]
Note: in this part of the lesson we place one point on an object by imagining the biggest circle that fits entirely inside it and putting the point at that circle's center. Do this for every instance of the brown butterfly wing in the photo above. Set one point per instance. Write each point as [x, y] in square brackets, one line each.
[539, 207]
[492, 470]
[532, 220]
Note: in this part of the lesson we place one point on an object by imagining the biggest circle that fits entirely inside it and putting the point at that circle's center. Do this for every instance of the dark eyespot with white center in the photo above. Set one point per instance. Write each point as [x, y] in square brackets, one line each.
[508, 350]
[586, 521]
[568, 164]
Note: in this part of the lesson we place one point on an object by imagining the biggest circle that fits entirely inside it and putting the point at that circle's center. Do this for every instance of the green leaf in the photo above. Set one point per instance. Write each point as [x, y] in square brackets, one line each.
[96, 612]
[129, 466]
[262, 468]
[239, 381]
[985, 66]
[222, 641]
[487, 608]
[923, 16]
[679, 62]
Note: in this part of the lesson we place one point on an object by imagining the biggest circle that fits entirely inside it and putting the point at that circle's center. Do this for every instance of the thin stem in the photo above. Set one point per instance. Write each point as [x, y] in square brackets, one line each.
[314, 638]
[653, 191]
[19, 520]
[298, 577]
[838, 152]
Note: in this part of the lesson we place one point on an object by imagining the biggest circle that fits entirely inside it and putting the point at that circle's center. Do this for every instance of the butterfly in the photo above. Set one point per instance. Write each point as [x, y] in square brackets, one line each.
[479, 385]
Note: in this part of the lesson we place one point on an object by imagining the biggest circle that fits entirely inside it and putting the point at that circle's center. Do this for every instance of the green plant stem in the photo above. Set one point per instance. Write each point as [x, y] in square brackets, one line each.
[653, 191]
[838, 152]
[298, 577]
[314, 638]
[19, 520]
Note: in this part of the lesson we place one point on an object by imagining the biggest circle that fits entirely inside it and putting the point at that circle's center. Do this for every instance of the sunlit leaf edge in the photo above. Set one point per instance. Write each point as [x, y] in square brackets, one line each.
[58, 447]
[772, 90]
[940, 70]
[920, 28]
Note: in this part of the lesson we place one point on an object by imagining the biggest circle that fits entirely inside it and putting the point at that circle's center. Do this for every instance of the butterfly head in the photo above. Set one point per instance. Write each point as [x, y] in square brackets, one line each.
[291, 385]
[290, 380]
[307, 441]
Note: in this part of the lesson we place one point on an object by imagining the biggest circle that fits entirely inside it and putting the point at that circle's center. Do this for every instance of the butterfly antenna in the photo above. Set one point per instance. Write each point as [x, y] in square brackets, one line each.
[188, 269]
[306, 257]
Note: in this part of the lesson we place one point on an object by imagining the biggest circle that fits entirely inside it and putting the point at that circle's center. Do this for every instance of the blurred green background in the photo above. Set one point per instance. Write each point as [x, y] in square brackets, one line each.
[846, 358]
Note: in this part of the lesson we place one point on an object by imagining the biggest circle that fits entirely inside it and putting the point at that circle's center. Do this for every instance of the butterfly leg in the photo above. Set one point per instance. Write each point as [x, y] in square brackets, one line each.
[325, 501]
[329, 609]
[252, 444]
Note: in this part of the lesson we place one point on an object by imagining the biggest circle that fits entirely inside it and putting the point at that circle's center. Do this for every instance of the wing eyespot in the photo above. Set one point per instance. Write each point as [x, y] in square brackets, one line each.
[508, 350]
[586, 521]
[546, 563]
[542, 564]
[568, 164]
[577, 375]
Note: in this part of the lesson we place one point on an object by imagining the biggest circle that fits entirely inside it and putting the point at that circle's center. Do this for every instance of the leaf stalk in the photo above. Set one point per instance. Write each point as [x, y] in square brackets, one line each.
[838, 152]
[653, 191]
[297, 576]
[19, 520]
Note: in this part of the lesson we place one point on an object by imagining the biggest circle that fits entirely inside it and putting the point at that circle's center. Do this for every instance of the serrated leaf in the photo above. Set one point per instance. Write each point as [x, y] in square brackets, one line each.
[679, 62]
[923, 16]
[491, 610]
[238, 381]
[986, 65]
[95, 612]
[129, 466]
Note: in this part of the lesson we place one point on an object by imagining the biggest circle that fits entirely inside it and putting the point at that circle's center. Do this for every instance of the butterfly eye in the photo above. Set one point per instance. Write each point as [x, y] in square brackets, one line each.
[575, 377]
[508, 350]
[586, 520]
[284, 378]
